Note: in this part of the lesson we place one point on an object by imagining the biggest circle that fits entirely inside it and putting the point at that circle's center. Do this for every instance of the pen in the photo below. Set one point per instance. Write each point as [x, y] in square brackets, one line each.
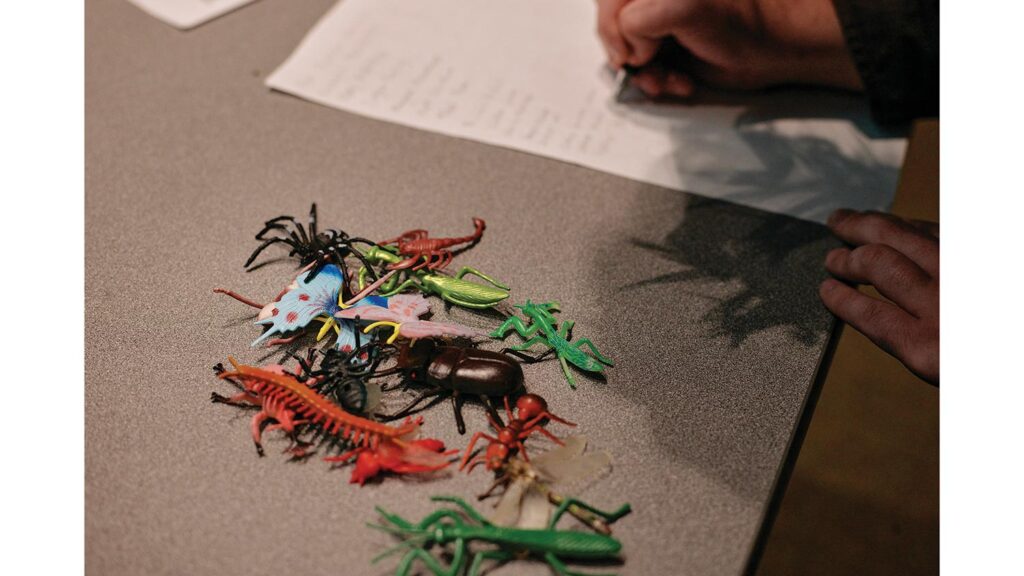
[622, 81]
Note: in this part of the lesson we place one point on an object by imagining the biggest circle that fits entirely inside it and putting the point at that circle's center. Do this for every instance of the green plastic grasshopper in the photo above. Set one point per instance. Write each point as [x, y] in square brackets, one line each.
[452, 289]
[448, 526]
[544, 323]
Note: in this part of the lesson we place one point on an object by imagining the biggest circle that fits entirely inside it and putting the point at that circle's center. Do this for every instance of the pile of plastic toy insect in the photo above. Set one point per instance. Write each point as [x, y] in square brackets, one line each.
[360, 309]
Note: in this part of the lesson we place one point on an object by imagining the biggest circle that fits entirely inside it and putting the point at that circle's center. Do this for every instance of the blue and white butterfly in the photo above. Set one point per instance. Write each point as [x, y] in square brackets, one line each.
[303, 302]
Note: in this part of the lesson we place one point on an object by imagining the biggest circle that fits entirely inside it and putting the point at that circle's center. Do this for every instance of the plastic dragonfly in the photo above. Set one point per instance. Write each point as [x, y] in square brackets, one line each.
[530, 487]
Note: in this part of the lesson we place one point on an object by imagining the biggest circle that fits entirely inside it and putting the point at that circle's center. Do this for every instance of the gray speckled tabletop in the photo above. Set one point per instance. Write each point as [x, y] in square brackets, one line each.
[710, 310]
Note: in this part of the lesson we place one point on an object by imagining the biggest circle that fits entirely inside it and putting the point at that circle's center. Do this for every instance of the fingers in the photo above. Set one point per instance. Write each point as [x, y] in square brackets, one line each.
[930, 228]
[644, 23]
[883, 323]
[657, 82]
[893, 274]
[608, 30]
[876, 228]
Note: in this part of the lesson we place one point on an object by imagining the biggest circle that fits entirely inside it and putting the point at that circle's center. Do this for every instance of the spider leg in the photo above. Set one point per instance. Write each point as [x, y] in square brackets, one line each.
[317, 266]
[339, 261]
[312, 221]
[264, 246]
[359, 255]
[275, 224]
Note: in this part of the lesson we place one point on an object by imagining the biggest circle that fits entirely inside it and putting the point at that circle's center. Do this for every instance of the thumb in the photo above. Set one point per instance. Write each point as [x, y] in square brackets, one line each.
[644, 23]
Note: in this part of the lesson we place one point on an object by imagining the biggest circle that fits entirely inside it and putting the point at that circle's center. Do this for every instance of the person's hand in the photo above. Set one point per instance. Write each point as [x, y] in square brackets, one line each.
[726, 43]
[901, 260]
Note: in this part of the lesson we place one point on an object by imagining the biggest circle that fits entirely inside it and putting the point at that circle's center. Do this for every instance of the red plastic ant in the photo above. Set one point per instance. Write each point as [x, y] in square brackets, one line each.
[531, 409]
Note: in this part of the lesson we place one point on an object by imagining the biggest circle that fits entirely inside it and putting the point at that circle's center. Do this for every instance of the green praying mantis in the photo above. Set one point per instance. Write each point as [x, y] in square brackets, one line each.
[447, 525]
[545, 329]
[453, 289]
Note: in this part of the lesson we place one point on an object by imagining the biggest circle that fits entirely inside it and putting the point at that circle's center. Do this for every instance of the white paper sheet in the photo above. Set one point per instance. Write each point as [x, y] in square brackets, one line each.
[187, 14]
[530, 75]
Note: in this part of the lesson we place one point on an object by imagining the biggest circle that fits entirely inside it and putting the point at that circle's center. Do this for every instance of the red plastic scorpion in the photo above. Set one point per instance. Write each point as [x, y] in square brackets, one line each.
[532, 409]
[284, 398]
[415, 244]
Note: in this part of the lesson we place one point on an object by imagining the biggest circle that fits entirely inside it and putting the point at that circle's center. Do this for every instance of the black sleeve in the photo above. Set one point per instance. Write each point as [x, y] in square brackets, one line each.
[895, 44]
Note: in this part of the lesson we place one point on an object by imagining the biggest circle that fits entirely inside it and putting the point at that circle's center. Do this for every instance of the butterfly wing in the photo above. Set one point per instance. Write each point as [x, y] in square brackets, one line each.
[409, 306]
[427, 329]
[369, 313]
[300, 305]
[347, 327]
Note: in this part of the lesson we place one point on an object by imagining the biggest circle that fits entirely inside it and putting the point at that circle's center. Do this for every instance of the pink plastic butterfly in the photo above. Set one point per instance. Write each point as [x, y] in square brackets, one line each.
[402, 313]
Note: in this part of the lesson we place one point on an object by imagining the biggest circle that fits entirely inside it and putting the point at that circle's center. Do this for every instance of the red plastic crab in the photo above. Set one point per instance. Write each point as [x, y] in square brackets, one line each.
[397, 456]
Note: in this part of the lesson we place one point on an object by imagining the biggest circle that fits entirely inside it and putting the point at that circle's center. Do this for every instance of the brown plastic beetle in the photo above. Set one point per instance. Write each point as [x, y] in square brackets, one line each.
[455, 371]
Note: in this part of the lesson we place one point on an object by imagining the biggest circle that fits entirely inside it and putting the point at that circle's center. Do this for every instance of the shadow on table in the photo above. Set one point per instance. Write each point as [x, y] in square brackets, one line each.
[766, 160]
[774, 260]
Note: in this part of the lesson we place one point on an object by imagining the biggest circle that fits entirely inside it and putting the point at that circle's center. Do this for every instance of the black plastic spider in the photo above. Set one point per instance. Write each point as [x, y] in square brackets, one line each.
[342, 376]
[312, 245]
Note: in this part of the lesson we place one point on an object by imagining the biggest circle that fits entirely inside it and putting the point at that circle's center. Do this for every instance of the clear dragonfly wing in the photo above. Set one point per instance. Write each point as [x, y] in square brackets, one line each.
[567, 465]
[535, 510]
[506, 511]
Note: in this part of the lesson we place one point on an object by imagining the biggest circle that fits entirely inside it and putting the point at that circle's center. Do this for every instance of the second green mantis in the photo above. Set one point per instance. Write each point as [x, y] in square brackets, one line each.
[454, 289]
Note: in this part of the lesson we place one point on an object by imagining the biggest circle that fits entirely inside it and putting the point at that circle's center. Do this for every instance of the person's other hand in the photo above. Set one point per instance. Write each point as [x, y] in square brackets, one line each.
[901, 260]
[726, 43]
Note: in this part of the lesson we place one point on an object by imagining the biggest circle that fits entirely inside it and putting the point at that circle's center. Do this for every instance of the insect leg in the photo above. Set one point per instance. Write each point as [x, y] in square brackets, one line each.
[472, 443]
[543, 431]
[530, 343]
[460, 423]
[516, 323]
[243, 399]
[435, 567]
[568, 503]
[468, 270]
[527, 357]
[586, 342]
[500, 555]
[409, 407]
[491, 411]
[433, 517]
[563, 570]
[387, 290]
[502, 480]
[568, 375]
[395, 519]
[452, 299]
[257, 422]
[469, 510]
